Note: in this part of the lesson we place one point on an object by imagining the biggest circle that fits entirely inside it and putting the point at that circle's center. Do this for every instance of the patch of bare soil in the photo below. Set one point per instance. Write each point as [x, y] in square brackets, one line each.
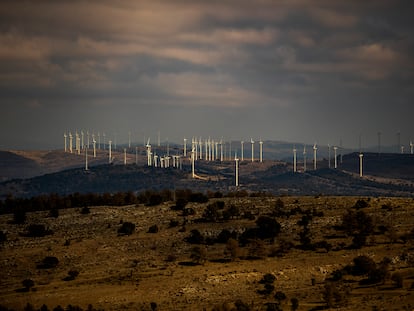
[128, 272]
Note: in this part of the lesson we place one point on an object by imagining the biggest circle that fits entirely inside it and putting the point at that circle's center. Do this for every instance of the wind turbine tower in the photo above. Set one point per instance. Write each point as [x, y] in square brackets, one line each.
[304, 158]
[294, 159]
[314, 156]
[192, 163]
[149, 162]
[104, 138]
[70, 142]
[411, 147]
[82, 142]
[335, 155]
[136, 155]
[94, 147]
[252, 142]
[125, 157]
[221, 150]
[110, 151]
[99, 141]
[185, 147]
[242, 150]
[65, 138]
[329, 155]
[236, 160]
[261, 150]
[360, 164]
[86, 159]
[129, 139]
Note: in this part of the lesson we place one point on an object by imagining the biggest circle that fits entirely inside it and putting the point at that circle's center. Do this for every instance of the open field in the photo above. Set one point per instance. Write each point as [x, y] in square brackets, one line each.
[128, 272]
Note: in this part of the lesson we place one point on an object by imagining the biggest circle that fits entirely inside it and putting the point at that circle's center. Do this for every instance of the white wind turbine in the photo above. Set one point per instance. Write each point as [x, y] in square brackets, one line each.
[136, 155]
[65, 138]
[314, 156]
[110, 151]
[129, 139]
[261, 150]
[195, 149]
[216, 154]
[104, 138]
[125, 157]
[252, 142]
[242, 150]
[336, 157]
[86, 159]
[236, 160]
[87, 139]
[82, 142]
[94, 146]
[294, 159]
[221, 150]
[192, 163]
[185, 147]
[360, 164]
[411, 147]
[200, 143]
[70, 142]
[77, 142]
[304, 158]
[149, 153]
[329, 155]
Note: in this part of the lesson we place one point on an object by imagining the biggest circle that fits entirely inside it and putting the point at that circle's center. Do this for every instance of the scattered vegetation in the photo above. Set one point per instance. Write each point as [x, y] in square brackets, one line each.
[127, 228]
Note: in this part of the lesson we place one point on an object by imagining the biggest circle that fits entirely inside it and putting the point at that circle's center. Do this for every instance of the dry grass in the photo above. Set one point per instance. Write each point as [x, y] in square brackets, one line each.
[130, 272]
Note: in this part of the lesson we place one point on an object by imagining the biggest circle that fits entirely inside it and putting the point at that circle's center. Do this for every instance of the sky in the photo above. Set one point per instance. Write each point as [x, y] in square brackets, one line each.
[292, 70]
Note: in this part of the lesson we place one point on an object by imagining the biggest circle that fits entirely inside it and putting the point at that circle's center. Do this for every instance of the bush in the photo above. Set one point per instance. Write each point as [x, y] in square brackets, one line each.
[268, 278]
[19, 216]
[28, 284]
[36, 230]
[363, 265]
[198, 254]
[3, 236]
[280, 296]
[232, 248]
[268, 227]
[198, 197]
[398, 280]
[195, 237]
[361, 204]
[85, 210]
[153, 229]
[295, 304]
[72, 274]
[127, 228]
[173, 223]
[48, 262]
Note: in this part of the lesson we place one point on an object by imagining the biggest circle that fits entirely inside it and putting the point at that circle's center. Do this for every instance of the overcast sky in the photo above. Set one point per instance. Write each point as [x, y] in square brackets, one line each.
[292, 70]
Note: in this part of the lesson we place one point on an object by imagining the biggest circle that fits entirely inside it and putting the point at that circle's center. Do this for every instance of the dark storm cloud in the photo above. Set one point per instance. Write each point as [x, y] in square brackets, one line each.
[295, 70]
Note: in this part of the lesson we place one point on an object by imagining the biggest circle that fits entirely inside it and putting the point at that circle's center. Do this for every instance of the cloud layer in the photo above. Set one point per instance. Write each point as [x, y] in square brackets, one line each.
[293, 70]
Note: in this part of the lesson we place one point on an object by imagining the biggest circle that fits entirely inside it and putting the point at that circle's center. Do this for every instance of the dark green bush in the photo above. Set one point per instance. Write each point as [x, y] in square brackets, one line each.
[127, 228]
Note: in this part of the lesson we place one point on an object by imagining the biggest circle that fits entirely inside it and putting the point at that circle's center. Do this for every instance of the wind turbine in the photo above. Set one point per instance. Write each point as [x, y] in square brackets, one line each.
[110, 151]
[125, 157]
[70, 142]
[216, 155]
[252, 142]
[242, 150]
[65, 138]
[314, 156]
[236, 160]
[329, 155]
[87, 139]
[86, 159]
[261, 150]
[221, 150]
[94, 146]
[402, 149]
[336, 159]
[104, 138]
[360, 164]
[294, 159]
[304, 158]
[77, 142]
[136, 155]
[149, 162]
[185, 147]
[192, 162]
[411, 147]
[129, 139]
[82, 143]
[99, 141]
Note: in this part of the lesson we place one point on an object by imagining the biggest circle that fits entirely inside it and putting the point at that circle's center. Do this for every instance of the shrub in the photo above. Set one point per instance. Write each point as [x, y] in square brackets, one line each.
[361, 204]
[153, 229]
[280, 296]
[19, 216]
[295, 304]
[54, 212]
[48, 262]
[28, 284]
[173, 223]
[232, 248]
[268, 227]
[268, 278]
[188, 211]
[363, 265]
[211, 213]
[127, 228]
[37, 230]
[195, 237]
[398, 280]
[198, 197]
[180, 204]
[154, 200]
[198, 254]
[3, 236]
[72, 274]
[85, 210]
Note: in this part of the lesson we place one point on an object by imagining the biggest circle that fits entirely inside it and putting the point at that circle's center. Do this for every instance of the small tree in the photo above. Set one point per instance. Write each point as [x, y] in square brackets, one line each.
[28, 284]
[127, 228]
[199, 254]
[232, 248]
